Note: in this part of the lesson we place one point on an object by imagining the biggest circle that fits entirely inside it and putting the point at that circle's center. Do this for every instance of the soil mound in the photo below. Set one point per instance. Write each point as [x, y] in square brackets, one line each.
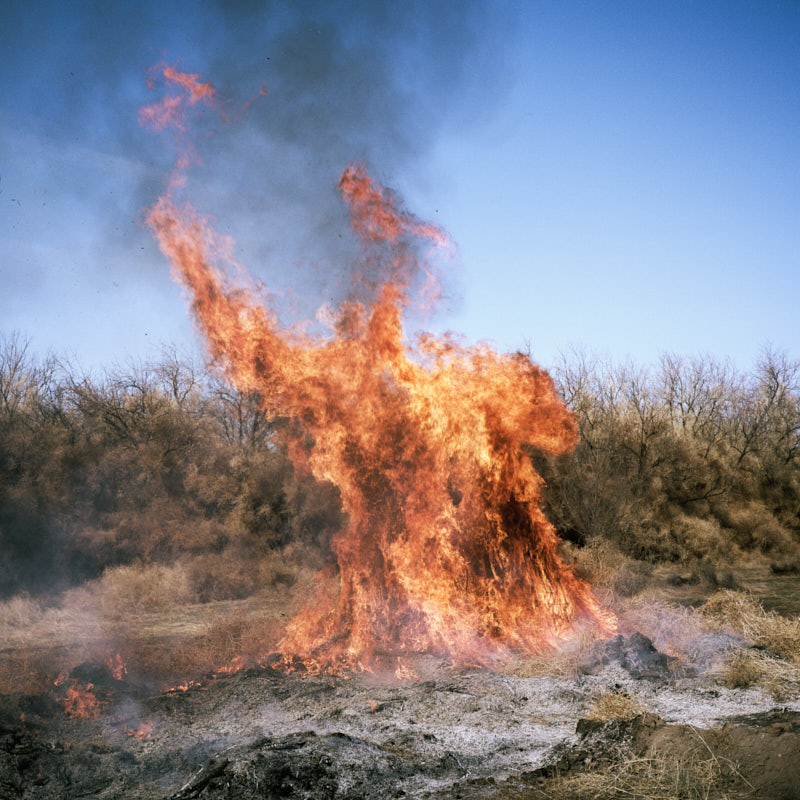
[750, 756]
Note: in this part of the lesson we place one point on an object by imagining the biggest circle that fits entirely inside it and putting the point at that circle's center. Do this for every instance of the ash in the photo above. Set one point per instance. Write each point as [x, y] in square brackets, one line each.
[261, 733]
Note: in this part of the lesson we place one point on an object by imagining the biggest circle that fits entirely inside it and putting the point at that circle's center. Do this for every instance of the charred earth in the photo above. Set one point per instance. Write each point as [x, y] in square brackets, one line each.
[451, 733]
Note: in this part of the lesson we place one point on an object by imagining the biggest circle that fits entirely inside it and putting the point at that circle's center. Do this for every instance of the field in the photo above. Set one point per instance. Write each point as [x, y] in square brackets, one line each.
[193, 711]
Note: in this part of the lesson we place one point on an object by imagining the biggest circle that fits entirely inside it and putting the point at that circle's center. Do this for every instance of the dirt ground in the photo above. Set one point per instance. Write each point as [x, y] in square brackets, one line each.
[449, 734]
[640, 716]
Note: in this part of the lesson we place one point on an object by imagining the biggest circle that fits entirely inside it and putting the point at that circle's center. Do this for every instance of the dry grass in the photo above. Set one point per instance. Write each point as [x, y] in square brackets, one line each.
[776, 667]
[27, 670]
[743, 614]
[609, 571]
[227, 640]
[779, 679]
[151, 617]
[614, 705]
[561, 663]
[27, 623]
[658, 778]
[19, 613]
[163, 648]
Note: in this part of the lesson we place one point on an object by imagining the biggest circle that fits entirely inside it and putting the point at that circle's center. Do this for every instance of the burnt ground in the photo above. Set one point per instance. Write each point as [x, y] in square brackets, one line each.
[450, 734]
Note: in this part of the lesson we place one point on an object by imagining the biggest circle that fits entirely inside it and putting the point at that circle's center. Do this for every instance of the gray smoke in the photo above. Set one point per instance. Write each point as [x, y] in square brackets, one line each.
[368, 82]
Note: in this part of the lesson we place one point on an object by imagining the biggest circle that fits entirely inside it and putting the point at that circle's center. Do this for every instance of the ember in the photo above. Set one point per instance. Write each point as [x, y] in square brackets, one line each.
[140, 732]
[446, 550]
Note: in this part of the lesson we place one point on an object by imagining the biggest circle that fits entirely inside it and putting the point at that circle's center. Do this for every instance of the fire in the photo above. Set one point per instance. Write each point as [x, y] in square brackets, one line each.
[80, 702]
[170, 112]
[116, 666]
[236, 664]
[140, 732]
[446, 549]
[183, 687]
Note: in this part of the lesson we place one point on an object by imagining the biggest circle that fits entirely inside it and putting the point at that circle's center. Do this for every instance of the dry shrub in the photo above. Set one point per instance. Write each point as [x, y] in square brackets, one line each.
[20, 612]
[223, 576]
[658, 778]
[246, 638]
[236, 574]
[703, 539]
[251, 638]
[754, 526]
[614, 705]
[276, 573]
[122, 591]
[603, 565]
[744, 615]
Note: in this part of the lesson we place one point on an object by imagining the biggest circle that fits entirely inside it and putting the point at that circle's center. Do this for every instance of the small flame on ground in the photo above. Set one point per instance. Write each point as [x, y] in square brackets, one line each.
[116, 666]
[80, 701]
[142, 731]
[184, 687]
[237, 664]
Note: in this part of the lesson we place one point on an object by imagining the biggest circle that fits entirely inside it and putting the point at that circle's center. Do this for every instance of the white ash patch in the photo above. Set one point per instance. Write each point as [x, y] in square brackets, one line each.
[478, 724]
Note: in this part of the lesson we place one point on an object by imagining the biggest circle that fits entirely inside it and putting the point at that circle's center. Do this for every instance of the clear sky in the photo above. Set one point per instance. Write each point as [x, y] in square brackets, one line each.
[625, 176]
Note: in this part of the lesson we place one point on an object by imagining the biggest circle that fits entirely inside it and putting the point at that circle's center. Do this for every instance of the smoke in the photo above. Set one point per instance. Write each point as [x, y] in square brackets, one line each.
[364, 82]
[351, 83]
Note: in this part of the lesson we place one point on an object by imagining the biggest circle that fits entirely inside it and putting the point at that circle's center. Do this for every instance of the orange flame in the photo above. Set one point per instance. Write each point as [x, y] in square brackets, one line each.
[237, 664]
[116, 666]
[184, 687]
[170, 111]
[80, 702]
[140, 732]
[446, 550]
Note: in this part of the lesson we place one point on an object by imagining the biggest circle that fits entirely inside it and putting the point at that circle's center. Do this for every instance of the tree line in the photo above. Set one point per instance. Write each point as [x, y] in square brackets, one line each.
[148, 463]
[163, 461]
[690, 459]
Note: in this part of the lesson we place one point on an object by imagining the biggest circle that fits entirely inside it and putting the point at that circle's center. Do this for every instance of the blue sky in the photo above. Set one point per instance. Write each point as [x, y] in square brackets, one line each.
[622, 176]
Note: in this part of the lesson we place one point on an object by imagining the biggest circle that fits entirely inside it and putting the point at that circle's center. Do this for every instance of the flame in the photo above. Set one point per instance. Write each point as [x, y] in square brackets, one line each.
[170, 112]
[80, 702]
[140, 732]
[184, 687]
[446, 549]
[236, 664]
[116, 666]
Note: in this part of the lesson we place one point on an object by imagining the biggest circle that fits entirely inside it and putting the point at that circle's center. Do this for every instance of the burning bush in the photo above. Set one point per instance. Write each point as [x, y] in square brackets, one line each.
[446, 549]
